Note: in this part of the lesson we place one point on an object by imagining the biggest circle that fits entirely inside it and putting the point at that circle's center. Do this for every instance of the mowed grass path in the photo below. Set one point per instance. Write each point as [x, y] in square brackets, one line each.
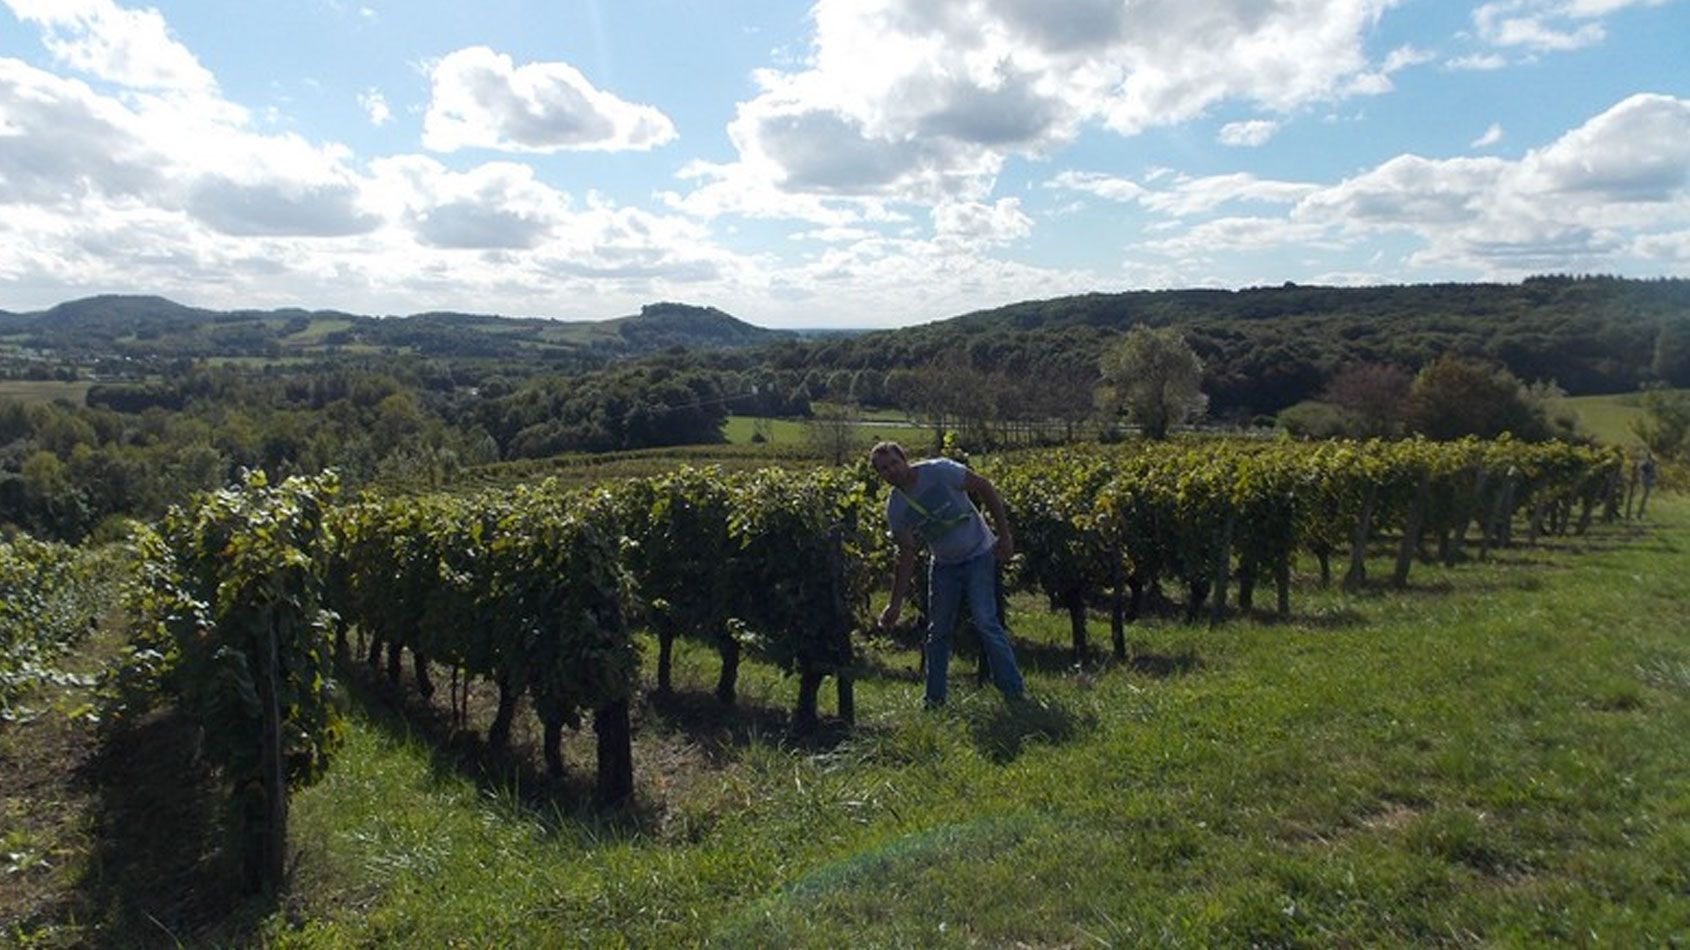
[1497, 755]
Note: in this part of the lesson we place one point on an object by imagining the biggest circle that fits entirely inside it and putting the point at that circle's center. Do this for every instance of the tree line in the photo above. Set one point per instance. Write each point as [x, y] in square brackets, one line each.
[1318, 361]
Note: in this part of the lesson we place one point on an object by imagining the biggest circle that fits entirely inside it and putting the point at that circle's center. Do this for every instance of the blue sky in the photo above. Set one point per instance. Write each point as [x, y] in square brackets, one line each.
[847, 163]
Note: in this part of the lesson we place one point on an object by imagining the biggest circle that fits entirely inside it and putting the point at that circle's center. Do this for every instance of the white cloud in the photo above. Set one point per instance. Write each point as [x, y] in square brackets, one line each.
[97, 192]
[897, 281]
[1094, 183]
[1548, 25]
[972, 223]
[1613, 190]
[1185, 196]
[496, 206]
[1201, 243]
[1247, 134]
[1379, 82]
[907, 100]
[1671, 248]
[132, 48]
[1636, 152]
[275, 207]
[374, 105]
[1405, 56]
[64, 142]
[481, 99]
[1192, 196]
[1479, 62]
[730, 189]
[1492, 136]
[1563, 206]
[66, 146]
[1409, 191]
[833, 235]
[888, 140]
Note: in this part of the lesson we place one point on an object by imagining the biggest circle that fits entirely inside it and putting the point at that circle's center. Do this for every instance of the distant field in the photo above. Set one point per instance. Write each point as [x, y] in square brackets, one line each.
[740, 429]
[871, 415]
[318, 329]
[257, 362]
[1608, 418]
[32, 390]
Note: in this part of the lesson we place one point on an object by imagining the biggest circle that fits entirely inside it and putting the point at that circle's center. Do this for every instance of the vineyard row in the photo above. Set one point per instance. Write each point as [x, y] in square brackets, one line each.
[248, 593]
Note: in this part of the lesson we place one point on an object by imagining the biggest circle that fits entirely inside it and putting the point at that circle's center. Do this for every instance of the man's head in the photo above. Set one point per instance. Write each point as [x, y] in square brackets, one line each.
[890, 462]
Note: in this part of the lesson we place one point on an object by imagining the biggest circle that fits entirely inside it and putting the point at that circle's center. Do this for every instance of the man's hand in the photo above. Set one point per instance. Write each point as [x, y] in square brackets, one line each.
[978, 485]
[889, 617]
[1005, 547]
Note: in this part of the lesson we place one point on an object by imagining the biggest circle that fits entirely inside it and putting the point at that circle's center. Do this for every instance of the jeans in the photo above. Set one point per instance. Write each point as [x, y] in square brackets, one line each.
[946, 585]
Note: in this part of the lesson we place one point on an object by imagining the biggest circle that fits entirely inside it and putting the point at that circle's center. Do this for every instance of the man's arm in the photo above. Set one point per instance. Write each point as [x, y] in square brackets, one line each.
[900, 579]
[977, 485]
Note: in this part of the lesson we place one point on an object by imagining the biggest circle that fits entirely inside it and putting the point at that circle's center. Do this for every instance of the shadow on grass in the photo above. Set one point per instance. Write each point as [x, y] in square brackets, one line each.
[511, 775]
[717, 728]
[873, 663]
[1030, 655]
[1326, 618]
[516, 777]
[1056, 658]
[164, 870]
[1162, 665]
[1002, 731]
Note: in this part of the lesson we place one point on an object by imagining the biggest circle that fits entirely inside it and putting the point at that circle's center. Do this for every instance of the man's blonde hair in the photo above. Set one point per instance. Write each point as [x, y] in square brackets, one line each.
[887, 448]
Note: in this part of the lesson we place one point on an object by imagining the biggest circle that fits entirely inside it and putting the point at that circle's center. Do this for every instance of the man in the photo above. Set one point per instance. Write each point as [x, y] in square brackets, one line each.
[929, 505]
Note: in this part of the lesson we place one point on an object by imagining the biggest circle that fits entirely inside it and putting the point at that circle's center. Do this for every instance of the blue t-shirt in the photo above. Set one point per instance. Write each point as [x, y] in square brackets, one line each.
[941, 517]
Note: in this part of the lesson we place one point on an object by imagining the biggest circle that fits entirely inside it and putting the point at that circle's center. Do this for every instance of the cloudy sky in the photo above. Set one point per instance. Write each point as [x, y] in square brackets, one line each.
[847, 163]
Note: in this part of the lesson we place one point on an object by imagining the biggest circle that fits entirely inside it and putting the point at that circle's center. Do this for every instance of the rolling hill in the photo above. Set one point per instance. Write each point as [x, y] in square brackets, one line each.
[148, 326]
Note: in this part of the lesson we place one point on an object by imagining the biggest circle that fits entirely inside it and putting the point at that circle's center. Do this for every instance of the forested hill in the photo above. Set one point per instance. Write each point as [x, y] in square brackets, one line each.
[153, 327]
[1267, 348]
[1263, 348]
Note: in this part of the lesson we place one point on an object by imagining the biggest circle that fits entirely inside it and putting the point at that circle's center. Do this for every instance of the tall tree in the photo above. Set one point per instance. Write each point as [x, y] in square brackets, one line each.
[835, 431]
[1671, 362]
[1154, 378]
[1373, 395]
[1454, 396]
[1665, 426]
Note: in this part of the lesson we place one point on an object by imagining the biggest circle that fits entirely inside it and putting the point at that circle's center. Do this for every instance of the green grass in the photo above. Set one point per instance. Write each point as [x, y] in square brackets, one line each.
[31, 390]
[1608, 418]
[1494, 756]
[895, 416]
[318, 328]
[739, 430]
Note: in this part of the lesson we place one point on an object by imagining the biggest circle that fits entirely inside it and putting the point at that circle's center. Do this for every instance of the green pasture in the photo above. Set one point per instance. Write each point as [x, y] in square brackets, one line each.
[740, 430]
[1493, 756]
[319, 328]
[257, 362]
[792, 432]
[31, 390]
[1608, 418]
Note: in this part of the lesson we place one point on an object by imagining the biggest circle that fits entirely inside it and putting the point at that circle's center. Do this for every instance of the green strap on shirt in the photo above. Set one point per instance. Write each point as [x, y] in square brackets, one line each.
[946, 525]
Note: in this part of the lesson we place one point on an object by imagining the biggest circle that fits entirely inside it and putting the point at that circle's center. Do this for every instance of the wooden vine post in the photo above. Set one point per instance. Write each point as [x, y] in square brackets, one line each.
[1412, 529]
[266, 851]
[615, 747]
[1357, 574]
[1223, 560]
[841, 626]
